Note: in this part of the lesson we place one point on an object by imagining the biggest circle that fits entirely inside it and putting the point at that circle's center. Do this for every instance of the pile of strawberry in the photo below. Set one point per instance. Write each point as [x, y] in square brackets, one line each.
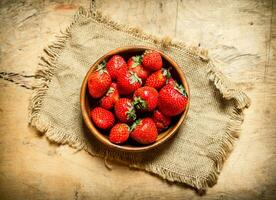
[136, 99]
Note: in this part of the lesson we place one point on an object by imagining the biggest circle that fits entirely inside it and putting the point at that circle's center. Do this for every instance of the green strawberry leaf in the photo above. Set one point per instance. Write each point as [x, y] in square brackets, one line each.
[129, 128]
[180, 89]
[137, 61]
[135, 65]
[166, 73]
[133, 126]
[101, 68]
[131, 114]
[134, 78]
[139, 103]
[110, 91]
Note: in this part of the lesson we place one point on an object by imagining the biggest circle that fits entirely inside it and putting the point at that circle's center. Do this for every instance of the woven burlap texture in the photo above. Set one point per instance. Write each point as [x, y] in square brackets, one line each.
[194, 156]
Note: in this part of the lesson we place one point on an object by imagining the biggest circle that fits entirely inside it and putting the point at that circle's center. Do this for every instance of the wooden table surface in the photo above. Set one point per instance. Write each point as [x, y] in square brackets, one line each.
[242, 33]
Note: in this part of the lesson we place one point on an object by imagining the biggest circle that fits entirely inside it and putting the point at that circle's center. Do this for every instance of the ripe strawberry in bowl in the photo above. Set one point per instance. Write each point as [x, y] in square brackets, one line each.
[116, 66]
[99, 81]
[110, 98]
[128, 82]
[135, 64]
[124, 110]
[162, 122]
[172, 100]
[144, 131]
[152, 60]
[102, 118]
[119, 133]
[158, 79]
[145, 99]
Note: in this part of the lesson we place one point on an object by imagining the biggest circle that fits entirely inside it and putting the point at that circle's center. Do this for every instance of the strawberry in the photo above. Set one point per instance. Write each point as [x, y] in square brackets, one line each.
[116, 66]
[162, 122]
[119, 133]
[145, 98]
[134, 64]
[144, 131]
[152, 60]
[172, 100]
[170, 81]
[128, 83]
[102, 118]
[110, 98]
[158, 78]
[124, 110]
[99, 81]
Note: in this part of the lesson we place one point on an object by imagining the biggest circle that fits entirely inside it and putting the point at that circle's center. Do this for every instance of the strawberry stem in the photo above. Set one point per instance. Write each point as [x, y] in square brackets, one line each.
[101, 67]
[134, 78]
[166, 73]
[137, 60]
[131, 112]
[180, 89]
[133, 126]
[139, 103]
[110, 91]
[129, 128]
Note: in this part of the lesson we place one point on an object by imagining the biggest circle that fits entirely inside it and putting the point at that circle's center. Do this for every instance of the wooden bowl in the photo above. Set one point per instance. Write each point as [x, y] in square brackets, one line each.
[87, 102]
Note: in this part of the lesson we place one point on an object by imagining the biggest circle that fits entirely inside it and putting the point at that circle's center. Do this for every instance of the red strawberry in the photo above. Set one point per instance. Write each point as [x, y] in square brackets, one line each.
[134, 64]
[162, 122]
[110, 98]
[116, 66]
[128, 83]
[99, 81]
[144, 131]
[102, 118]
[152, 60]
[172, 100]
[158, 78]
[145, 98]
[171, 81]
[119, 133]
[124, 110]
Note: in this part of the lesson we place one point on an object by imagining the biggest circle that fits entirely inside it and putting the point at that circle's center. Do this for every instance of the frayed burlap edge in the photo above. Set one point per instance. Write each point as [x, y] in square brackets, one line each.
[45, 71]
[227, 89]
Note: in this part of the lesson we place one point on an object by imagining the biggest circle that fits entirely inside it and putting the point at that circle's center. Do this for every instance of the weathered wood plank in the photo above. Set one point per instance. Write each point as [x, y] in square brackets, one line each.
[156, 17]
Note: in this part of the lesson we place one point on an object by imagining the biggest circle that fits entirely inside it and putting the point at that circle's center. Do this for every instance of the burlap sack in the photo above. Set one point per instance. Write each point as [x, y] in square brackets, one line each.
[194, 156]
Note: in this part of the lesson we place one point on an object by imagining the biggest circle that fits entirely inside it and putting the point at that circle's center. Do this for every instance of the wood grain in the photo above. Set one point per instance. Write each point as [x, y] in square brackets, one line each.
[240, 33]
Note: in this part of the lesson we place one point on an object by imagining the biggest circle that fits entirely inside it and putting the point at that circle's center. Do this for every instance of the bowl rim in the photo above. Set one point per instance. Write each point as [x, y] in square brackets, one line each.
[98, 134]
